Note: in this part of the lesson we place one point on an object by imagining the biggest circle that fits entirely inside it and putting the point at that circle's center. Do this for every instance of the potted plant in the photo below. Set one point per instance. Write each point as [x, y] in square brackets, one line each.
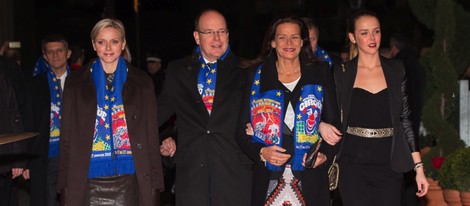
[447, 179]
[461, 173]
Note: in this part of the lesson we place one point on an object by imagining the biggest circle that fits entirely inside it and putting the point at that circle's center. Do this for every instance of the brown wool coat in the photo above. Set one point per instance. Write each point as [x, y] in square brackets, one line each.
[78, 120]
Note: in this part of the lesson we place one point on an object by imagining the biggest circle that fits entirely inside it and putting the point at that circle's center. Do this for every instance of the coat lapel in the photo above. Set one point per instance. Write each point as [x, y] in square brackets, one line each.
[88, 102]
[394, 90]
[349, 73]
[192, 73]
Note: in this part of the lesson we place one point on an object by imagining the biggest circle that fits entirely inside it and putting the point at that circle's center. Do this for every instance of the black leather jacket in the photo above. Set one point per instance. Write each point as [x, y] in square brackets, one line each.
[404, 141]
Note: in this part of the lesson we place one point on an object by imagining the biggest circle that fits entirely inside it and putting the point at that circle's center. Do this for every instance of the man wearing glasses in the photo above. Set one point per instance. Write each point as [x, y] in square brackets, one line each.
[204, 91]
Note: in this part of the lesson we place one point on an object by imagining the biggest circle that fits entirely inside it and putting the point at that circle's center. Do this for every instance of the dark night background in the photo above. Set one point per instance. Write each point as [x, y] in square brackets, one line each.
[165, 26]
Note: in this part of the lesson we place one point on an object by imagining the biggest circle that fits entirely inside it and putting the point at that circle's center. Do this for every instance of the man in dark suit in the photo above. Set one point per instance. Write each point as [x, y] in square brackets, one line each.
[204, 91]
[42, 115]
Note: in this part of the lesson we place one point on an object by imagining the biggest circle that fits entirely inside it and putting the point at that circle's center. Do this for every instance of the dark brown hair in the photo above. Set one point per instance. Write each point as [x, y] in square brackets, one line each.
[266, 49]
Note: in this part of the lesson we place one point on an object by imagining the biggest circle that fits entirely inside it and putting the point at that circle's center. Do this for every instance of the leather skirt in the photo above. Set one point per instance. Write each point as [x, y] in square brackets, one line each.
[113, 190]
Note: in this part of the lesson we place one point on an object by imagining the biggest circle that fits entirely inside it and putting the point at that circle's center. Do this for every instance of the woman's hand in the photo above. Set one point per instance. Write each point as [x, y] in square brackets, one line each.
[26, 174]
[274, 155]
[168, 147]
[249, 129]
[321, 158]
[329, 133]
[421, 182]
[16, 172]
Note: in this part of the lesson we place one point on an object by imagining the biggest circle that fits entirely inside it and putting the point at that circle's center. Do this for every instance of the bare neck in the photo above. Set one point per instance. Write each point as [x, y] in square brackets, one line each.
[59, 71]
[369, 61]
[109, 67]
[288, 66]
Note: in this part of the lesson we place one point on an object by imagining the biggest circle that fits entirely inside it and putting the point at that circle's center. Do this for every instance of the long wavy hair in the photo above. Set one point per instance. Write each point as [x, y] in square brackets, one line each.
[267, 50]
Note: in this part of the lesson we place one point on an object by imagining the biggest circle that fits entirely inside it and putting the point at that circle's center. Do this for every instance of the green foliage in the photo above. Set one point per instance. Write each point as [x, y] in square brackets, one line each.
[446, 175]
[424, 10]
[446, 60]
[461, 169]
[459, 53]
[428, 166]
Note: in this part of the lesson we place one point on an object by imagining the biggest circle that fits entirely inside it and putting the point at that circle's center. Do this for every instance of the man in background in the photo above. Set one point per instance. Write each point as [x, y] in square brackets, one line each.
[42, 115]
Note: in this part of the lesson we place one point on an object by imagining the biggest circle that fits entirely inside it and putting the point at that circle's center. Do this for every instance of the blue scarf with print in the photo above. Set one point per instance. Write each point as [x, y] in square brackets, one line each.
[267, 119]
[111, 153]
[55, 89]
[40, 67]
[323, 55]
[207, 78]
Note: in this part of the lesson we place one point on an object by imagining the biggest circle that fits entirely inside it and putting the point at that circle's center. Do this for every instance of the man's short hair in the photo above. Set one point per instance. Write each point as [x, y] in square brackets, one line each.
[196, 20]
[152, 57]
[54, 38]
[398, 40]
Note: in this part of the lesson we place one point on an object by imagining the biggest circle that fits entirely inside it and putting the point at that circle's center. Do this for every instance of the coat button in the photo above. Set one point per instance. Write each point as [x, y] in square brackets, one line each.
[202, 164]
[198, 101]
[134, 117]
[208, 131]
[139, 146]
[291, 134]
[145, 174]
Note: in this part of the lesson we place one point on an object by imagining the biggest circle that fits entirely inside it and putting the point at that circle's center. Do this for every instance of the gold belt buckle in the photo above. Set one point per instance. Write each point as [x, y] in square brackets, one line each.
[370, 133]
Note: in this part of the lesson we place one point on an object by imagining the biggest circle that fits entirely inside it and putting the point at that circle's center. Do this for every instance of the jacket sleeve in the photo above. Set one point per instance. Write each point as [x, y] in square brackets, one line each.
[164, 104]
[65, 133]
[405, 118]
[251, 148]
[330, 113]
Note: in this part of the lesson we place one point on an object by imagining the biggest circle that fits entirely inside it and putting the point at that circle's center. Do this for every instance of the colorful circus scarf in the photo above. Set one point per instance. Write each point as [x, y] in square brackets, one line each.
[55, 89]
[323, 55]
[111, 153]
[267, 119]
[207, 78]
[41, 66]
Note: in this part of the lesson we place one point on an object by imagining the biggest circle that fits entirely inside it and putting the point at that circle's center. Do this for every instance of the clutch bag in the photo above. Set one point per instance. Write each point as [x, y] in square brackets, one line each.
[312, 154]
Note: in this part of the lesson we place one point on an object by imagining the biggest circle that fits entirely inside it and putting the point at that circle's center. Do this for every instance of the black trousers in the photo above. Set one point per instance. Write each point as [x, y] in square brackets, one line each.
[361, 185]
[51, 181]
[8, 190]
[409, 189]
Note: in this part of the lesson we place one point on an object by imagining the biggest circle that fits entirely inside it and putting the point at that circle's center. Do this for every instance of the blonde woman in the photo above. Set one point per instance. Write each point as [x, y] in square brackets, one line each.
[109, 143]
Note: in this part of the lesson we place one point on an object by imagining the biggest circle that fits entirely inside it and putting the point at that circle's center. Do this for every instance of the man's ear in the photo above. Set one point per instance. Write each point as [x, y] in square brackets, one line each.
[196, 37]
[69, 52]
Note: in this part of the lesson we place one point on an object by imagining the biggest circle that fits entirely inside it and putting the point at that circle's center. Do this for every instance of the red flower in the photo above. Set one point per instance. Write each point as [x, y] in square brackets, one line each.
[437, 162]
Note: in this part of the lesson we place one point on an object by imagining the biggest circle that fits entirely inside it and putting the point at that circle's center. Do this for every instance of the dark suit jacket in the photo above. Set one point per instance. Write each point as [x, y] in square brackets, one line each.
[404, 140]
[77, 126]
[37, 119]
[314, 181]
[211, 169]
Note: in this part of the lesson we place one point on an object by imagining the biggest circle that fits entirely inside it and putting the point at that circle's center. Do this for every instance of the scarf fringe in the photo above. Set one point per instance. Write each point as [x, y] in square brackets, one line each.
[111, 168]
[298, 158]
[53, 150]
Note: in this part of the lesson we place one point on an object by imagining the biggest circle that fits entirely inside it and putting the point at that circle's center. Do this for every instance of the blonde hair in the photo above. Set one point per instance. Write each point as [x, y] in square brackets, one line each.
[105, 23]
